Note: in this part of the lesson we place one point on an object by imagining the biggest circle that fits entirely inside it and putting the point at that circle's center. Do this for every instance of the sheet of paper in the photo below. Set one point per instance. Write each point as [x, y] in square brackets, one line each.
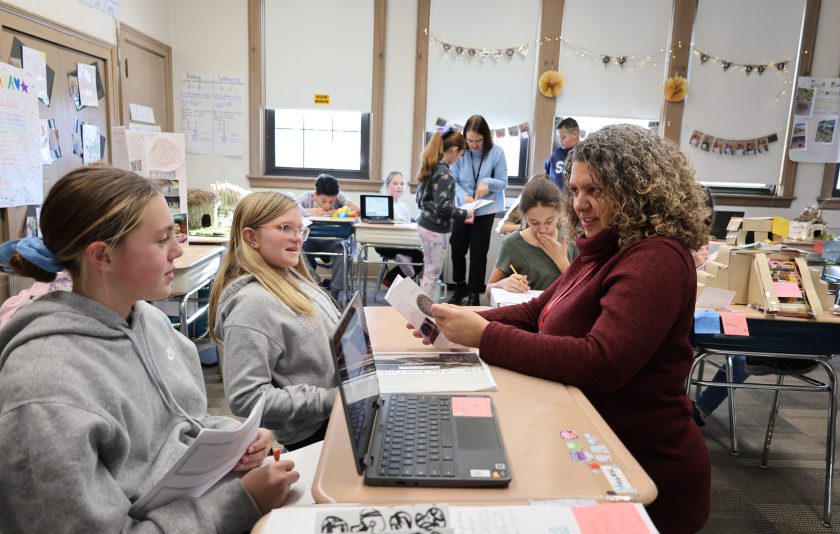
[706, 322]
[141, 113]
[228, 115]
[35, 63]
[306, 463]
[787, 290]
[87, 84]
[91, 149]
[140, 127]
[197, 112]
[21, 169]
[475, 204]
[714, 298]
[109, 7]
[408, 299]
[420, 519]
[432, 372]
[502, 297]
[607, 518]
[734, 323]
[44, 143]
[210, 457]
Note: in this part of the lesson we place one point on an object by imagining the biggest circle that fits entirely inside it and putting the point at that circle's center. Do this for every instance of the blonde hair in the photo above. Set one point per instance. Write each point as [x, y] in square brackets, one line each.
[437, 146]
[86, 205]
[240, 259]
[650, 183]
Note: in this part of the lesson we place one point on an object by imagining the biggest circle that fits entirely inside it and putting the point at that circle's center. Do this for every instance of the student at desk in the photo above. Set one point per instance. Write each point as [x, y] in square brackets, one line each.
[99, 395]
[617, 323]
[323, 202]
[394, 186]
[542, 251]
[275, 322]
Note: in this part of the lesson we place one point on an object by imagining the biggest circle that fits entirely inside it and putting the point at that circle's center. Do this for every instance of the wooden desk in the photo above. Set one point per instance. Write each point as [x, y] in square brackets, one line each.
[195, 269]
[532, 412]
[381, 235]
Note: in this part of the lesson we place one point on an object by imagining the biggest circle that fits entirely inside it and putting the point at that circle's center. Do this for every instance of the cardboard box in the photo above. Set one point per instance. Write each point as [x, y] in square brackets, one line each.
[774, 225]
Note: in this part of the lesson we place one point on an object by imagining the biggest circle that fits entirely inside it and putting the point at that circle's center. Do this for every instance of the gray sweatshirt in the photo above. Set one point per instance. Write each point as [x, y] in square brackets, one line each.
[269, 348]
[93, 411]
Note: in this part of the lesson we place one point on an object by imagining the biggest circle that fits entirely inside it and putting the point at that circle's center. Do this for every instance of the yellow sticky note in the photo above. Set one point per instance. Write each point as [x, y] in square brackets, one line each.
[781, 226]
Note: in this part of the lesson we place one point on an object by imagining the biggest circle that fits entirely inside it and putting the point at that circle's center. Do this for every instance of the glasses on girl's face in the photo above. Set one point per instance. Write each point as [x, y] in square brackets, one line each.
[475, 141]
[289, 229]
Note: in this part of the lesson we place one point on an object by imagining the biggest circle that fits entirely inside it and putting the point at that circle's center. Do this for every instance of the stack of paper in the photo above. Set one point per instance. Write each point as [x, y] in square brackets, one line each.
[432, 372]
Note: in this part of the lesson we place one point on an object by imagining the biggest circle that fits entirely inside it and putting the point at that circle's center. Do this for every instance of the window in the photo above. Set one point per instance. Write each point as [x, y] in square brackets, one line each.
[588, 125]
[308, 142]
[516, 156]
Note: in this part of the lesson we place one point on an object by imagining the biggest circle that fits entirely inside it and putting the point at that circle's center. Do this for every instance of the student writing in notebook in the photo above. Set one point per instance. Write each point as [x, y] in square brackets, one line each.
[542, 251]
[436, 199]
[617, 323]
[274, 322]
[99, 395]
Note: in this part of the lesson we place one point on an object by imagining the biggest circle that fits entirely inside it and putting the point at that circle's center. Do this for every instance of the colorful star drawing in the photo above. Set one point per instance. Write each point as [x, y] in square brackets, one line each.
[23, 87]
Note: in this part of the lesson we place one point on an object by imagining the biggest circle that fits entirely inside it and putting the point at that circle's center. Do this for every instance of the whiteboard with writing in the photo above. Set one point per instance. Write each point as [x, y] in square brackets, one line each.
[21, 172]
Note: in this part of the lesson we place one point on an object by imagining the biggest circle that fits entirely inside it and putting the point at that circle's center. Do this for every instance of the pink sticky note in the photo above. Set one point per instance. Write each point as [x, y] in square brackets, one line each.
[734, 323]
[471, 407]
[787, 289]
[608, 518]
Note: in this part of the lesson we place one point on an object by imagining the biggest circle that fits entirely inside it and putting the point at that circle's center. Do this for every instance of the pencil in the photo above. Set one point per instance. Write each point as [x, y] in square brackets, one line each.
[277, 454]
[512, 268]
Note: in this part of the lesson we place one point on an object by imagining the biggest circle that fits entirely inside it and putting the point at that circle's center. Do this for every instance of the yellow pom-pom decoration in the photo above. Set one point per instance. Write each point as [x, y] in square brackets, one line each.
[676, 87]
[551, 83]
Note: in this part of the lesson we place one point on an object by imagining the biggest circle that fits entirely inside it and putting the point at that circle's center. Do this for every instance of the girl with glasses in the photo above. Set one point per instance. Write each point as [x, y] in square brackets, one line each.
[274, 322]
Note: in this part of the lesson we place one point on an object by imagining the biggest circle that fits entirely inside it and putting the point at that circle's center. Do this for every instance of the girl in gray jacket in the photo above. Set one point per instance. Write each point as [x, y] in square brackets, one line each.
[99, 395]
[274, 322]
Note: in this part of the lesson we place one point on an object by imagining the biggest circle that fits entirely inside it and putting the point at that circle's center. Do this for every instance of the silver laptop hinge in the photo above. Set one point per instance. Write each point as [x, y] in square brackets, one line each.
[368, 461]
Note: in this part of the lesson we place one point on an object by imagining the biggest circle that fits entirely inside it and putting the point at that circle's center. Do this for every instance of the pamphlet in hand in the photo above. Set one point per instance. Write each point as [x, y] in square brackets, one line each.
[210, 457]
[416, 307]
[475, 204]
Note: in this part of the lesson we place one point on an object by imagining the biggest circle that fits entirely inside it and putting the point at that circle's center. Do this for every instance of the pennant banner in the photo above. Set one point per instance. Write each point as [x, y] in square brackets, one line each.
[731, 147]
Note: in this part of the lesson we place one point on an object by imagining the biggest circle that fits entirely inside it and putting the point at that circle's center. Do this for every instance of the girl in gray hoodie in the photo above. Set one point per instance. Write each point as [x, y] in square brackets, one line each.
[274, 322]
[99, 395]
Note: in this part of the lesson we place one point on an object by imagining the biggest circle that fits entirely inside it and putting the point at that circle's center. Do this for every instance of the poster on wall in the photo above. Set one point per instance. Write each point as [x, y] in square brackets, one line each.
[816, 108]
[213, 113]
[21, 172]
[197, 113]
[228, 115]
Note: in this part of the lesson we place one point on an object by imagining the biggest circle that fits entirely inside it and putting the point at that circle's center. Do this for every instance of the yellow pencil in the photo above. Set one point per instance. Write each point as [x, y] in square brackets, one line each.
[512, 268]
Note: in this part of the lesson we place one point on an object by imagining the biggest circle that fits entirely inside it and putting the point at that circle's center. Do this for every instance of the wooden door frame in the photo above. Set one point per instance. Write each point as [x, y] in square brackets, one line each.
[127, 34]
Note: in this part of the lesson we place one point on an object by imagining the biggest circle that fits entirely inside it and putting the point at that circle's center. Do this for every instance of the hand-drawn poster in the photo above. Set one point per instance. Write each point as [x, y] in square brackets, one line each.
[91, 152]
[21, 172]
[816, 108]
[35, 63]
[228, 115]
[109, 7]
[197, 112]
[87, 85]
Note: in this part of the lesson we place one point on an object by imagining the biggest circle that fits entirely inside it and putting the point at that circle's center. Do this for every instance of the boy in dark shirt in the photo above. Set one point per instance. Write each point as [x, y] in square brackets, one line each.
[568, 134]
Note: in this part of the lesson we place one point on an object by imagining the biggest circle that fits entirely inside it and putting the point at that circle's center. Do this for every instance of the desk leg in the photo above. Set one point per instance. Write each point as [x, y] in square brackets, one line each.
[830, 442]
[730, 393]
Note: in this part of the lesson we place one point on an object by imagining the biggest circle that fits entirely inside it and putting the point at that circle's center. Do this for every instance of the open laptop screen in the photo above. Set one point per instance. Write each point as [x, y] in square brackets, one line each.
[357, 376]
[377, 207]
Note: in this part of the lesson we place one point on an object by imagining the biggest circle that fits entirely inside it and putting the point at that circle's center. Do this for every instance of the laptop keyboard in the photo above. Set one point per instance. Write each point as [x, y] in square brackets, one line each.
[418, 437]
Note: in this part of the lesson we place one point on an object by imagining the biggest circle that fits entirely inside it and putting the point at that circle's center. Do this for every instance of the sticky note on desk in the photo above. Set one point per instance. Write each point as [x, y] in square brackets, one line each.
[609, 517]
[734, 324]
[706, 322]
[471, 407]
[787, 289]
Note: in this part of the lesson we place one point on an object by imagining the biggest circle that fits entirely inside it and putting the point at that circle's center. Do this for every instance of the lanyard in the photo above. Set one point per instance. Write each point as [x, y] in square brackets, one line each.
[563, 295]
[475, 173]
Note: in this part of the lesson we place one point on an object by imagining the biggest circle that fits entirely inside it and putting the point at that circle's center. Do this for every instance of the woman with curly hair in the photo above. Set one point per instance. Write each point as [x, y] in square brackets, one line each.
[616, 324]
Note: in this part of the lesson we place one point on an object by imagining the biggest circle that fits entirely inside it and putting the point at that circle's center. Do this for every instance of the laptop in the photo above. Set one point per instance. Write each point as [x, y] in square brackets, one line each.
[378, 209]
[412, 439]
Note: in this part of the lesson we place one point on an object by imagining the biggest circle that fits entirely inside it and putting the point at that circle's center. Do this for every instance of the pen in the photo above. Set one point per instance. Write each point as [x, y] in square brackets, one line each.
[512, 268]
[276, 454]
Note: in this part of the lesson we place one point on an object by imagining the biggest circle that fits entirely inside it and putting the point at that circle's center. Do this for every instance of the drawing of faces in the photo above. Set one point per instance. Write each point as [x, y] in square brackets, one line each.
[400, 520]
[425, 304]
[370, 521]
[332, 524]
[432, 519]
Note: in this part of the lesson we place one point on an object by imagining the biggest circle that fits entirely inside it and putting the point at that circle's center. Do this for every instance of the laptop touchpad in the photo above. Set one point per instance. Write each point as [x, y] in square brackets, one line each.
[477, 433]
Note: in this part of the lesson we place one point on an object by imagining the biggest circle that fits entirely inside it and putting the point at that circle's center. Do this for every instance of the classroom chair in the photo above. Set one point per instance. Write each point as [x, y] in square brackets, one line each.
[776, 360]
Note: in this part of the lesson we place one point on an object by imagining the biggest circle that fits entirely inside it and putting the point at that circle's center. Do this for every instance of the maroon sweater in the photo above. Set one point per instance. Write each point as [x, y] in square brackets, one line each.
[621, 336]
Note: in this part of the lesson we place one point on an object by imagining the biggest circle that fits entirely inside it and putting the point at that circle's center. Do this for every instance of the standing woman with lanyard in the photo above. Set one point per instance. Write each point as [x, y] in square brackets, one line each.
[481, 174]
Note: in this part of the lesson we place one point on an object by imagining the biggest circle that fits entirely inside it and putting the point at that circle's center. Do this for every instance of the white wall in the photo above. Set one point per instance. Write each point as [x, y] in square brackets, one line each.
[211, 37]
[148, 16]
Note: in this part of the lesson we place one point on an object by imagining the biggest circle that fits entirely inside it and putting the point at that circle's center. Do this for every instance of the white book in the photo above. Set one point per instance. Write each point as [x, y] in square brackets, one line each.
[209, 458]
[432, 372]
[502, 297]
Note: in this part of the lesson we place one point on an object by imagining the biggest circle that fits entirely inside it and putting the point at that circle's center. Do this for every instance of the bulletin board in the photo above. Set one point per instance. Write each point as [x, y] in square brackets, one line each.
[63, 49]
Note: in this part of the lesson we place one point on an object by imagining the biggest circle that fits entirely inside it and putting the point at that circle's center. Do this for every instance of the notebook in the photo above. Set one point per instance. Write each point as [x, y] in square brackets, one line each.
[411, 439]
[377, 209]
